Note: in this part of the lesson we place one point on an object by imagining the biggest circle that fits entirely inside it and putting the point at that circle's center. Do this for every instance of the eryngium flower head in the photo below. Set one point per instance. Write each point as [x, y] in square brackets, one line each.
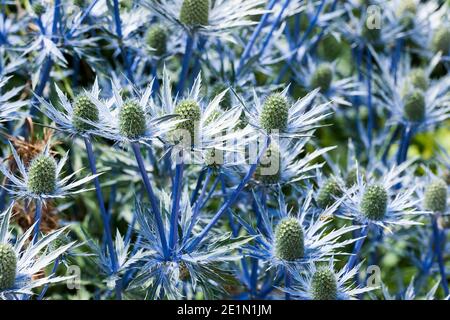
[441, 40]
[374, 202]
[330, 47]
[195, 12]
[157, 39]
[328, 193]
[42, 175]
[322, 77]
[414, 106]
[268, 170]
[226, 102]
[324, 284]
[132, 120]
[289, 242]
[85, 109]
[419, 79]
[275, 112]
[38, 8]
[436, 196]
[189, 110]
[8, 266]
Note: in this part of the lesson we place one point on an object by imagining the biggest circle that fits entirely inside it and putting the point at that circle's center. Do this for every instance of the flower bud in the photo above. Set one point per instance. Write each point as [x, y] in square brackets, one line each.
[8, 267]
[42, 175]
[157, 39]
[275, 113]
[328, 194]
[189, 110]
[324, 284]
[322, 77]
[374, 203]
[289, 241]
[414, 106]
[195, 13]
[84, 109]
[132, 120]
[436, 196]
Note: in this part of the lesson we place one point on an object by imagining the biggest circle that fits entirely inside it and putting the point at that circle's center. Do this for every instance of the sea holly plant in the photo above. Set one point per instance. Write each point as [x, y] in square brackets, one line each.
[248, 149]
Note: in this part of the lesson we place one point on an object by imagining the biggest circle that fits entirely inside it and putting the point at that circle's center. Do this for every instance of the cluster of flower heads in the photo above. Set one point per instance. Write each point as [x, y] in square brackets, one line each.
[243, 149]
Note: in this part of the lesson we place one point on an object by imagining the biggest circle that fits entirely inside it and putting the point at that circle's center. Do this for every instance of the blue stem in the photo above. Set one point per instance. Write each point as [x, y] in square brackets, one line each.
[197, 187]
[153, 201]
[118, 24]
[44, 290]
[438, 245]
[357, 248]
[231, 200]
[371, 123]
[176, 196]
[104, 214]
[37, 220]
[253, 38]
[287, 282]
[274, 26]
[185, 63]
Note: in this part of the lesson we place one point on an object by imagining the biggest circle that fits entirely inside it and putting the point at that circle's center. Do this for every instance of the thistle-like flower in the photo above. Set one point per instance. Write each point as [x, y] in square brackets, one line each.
[436, 196]
[202, 127]
[208, 18]
[296, 239]
[19, 263]
[130, 120]
[377, 199]
[42, 179]
[276, 116]
[323, 283]
[411, 97]
[157, 39]
[79, 117]
[286, 162]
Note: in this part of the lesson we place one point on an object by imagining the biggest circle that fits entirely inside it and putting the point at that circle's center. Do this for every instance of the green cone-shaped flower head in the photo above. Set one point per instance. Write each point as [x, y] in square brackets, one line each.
[42, 175]
[157, 39]
[8, 266]
[217, 89]
[189, 110]
[374, 202]
[441, 40]
[289, 240]
[330, 47]
[419, 79]
[194, 12]
[268, 170]
[324, 284]
[38, 8]
[436, 196]
[328, 194]
[84, 109]
[322, 77]
[274, 113]
[132, 120]
[414, 106]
